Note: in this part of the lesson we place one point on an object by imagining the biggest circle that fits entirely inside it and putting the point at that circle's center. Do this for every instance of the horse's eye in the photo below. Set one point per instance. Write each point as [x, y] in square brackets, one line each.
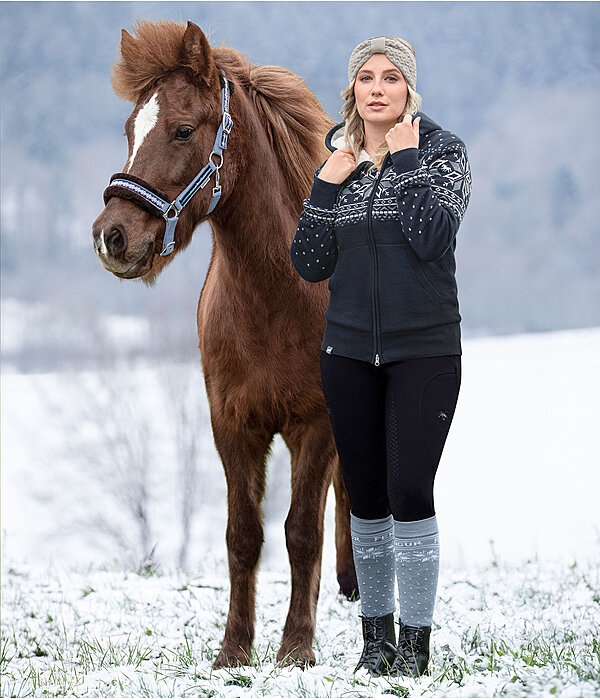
[184, 133]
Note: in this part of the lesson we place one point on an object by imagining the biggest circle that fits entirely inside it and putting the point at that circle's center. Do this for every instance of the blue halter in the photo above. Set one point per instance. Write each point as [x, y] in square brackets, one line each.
[143, 194]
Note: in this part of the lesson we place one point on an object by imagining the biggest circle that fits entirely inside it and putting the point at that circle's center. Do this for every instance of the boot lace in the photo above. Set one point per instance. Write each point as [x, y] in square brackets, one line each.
[371, 654]
[409, 644]
[411, 639]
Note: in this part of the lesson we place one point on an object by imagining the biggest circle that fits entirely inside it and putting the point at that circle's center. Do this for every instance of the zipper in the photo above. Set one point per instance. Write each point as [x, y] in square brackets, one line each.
[375, 305]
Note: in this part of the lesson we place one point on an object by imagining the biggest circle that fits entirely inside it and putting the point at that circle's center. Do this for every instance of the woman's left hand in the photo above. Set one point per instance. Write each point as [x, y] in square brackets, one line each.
[404, 134]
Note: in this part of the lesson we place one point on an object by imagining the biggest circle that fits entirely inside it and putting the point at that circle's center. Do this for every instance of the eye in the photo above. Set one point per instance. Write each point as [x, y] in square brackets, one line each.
[365, 77]
[184, 133]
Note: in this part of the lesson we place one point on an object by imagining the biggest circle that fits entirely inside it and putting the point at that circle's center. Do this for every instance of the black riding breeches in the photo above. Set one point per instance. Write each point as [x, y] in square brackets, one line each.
[390, 424]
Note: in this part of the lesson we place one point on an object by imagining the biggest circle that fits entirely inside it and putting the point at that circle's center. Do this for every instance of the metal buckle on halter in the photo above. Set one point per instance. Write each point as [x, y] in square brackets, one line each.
[168, 249]
[227, 122]
[170, 224]
[217, 187]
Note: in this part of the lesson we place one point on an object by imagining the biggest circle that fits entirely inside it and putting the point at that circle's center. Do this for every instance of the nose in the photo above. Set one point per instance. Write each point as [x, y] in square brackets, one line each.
[116, 241]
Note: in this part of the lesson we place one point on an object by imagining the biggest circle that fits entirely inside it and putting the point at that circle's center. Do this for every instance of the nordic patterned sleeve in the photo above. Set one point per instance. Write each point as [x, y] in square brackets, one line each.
[314, 249]
[432, 197]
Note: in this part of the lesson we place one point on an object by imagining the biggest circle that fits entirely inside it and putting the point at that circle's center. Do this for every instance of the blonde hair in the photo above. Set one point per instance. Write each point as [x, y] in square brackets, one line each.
[354, 130]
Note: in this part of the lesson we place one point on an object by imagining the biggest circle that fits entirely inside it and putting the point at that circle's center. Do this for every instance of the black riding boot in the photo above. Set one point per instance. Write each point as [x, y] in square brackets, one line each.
[379, 650]
[413, 651]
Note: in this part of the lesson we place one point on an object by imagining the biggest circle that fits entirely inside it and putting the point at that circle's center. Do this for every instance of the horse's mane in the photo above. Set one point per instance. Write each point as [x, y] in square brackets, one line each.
[292, 116]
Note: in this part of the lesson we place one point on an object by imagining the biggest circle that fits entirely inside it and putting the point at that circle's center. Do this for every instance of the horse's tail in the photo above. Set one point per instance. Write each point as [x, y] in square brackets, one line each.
[296, 124]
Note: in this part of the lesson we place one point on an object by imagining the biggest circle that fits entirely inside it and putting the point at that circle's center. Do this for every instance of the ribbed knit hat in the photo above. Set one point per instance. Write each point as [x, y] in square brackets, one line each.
[396, 49]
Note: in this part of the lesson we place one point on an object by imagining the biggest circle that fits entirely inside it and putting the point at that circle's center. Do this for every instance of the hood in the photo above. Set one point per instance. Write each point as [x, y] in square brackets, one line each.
[335, 138]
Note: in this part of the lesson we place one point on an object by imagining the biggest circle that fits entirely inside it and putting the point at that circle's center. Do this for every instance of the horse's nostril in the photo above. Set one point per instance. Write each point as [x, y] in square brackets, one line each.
[116, 241]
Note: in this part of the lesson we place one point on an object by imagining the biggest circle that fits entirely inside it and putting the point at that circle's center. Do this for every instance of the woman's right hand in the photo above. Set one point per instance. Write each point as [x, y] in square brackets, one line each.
[338, 166]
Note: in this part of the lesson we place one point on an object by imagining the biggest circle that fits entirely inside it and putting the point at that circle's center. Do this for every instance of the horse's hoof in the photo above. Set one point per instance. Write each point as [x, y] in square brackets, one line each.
[348, 584]
[229, 658]
[296, 657]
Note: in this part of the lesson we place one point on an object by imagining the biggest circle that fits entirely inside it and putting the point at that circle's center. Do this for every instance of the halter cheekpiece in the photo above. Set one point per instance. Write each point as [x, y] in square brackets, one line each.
[155, 202]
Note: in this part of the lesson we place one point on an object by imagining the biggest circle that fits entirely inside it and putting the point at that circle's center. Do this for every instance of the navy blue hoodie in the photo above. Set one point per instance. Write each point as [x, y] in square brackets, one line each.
[386, 239]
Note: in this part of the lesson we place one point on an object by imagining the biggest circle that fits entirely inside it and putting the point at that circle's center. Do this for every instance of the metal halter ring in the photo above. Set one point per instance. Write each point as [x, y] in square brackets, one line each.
[219, 155]
[172, 209]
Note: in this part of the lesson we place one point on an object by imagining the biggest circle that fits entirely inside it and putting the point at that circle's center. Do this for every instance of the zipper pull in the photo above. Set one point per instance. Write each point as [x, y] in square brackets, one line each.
[376, 360]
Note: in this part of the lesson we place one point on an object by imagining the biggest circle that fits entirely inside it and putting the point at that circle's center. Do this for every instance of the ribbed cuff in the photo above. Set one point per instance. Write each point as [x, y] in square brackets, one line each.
[323, 193]
[368, 527]
[405, 160]
[416, 528]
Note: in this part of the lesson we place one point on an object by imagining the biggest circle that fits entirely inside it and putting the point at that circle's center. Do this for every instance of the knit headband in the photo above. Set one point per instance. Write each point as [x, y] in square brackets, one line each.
[396, 49]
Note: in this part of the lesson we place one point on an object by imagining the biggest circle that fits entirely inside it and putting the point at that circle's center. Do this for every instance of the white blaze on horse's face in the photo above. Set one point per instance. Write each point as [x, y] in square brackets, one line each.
[144, 123]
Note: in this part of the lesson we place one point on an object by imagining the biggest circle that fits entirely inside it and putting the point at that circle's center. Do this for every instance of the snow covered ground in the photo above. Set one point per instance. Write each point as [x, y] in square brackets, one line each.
[516, 493]
[512, 631]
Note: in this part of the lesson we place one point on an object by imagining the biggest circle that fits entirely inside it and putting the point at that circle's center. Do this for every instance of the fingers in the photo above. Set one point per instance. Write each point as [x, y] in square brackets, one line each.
[409, 118]
[338, 166]
[347, 155]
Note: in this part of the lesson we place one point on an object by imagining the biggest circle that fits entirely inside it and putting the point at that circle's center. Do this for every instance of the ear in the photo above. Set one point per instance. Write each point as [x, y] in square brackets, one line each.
[198, 54]
[127, 46]
[126, 79]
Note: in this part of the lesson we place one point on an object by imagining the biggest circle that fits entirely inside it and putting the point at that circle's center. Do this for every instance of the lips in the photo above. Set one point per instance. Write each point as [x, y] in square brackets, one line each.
[377, 104]
[134, 270]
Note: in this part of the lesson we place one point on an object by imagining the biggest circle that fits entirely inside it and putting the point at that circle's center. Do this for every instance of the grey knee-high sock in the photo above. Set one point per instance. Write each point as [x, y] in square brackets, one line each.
[373, 549]
[417, 568]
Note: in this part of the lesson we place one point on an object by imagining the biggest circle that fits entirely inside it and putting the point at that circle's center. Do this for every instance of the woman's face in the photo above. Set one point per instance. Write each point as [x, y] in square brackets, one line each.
[380, 91]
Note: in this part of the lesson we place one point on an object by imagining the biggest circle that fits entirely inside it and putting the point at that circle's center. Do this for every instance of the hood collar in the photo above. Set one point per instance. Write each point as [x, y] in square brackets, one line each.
[335, 138]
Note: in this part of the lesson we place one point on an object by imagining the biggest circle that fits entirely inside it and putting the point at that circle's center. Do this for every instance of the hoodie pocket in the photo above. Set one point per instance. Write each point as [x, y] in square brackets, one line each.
[350, 287]
[430, 290]
[407, 299]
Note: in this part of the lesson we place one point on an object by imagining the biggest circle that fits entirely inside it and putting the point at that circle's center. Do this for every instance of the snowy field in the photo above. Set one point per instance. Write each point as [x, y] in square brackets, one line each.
[89, 611]
[528, 630]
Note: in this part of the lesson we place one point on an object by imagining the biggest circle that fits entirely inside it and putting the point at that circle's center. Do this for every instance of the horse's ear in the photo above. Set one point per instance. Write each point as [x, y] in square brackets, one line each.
[198, 54]
[127, 43]
[125, 78]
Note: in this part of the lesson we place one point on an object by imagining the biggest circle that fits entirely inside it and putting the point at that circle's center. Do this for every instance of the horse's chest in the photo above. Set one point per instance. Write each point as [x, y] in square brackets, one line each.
[247, 391]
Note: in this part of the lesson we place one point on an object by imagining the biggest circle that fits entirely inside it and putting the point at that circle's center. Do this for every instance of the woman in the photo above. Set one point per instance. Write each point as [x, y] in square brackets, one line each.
[381, 223]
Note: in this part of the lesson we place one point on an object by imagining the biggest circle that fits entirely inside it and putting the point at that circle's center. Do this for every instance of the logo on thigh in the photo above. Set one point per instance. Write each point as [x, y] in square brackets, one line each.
[438, 402]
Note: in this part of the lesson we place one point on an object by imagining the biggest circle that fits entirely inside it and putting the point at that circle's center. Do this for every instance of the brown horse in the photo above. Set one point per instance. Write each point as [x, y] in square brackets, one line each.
[260, 324]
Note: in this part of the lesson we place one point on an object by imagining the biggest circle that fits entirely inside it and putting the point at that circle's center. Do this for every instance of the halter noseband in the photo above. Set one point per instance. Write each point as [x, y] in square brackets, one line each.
[155, 202]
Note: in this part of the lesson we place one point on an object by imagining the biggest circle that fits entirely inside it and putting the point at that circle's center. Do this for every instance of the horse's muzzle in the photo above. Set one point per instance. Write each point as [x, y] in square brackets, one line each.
[116, 246]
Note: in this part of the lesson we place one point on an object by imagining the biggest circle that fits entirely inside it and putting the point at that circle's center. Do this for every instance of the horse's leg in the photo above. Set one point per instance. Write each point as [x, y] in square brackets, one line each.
[243, 453]
[346, 573]
[313, 450]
